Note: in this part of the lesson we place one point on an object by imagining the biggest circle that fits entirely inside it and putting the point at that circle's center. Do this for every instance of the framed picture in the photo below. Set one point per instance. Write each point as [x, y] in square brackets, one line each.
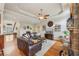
[57, 28]
[30, 28]
[27, 27]
[44, 27]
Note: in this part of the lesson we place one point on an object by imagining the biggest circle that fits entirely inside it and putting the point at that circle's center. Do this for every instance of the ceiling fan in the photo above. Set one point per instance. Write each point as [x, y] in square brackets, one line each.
[42, 16]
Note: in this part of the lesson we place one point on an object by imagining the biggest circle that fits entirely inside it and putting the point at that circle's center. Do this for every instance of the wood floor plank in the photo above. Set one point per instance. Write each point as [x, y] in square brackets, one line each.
[54, 50]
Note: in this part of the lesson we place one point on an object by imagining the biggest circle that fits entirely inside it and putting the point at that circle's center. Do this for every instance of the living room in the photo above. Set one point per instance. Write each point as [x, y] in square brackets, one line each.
[34, 29]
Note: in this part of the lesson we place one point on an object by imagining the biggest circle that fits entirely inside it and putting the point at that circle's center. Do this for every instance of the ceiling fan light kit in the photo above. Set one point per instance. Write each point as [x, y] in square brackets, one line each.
[41, 16]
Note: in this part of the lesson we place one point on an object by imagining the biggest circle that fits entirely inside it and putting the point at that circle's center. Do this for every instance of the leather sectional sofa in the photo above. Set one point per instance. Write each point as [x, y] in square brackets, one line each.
[28, 47]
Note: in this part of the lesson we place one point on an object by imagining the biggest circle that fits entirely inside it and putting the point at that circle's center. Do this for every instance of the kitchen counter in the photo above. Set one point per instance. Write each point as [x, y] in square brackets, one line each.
[10, 36]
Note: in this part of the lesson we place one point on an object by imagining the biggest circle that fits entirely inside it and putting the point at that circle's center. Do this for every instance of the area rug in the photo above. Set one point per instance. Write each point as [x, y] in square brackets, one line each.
[46, 45]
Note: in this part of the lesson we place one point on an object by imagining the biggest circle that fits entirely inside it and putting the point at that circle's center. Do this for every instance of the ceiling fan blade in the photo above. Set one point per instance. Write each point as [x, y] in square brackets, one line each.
[47, 15]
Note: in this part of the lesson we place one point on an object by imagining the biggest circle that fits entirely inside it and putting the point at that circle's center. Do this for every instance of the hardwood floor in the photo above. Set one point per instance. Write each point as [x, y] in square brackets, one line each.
[54, 50]
[12, 50]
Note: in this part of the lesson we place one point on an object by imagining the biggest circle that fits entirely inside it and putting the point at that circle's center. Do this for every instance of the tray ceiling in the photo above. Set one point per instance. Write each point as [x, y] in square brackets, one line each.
[29, 11]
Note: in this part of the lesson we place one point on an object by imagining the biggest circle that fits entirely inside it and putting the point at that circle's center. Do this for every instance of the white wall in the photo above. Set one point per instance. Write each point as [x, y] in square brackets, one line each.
[12, 22]
[63, 28]
[22, 25]
[38, 28]
[56, 34]
[19, 26]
